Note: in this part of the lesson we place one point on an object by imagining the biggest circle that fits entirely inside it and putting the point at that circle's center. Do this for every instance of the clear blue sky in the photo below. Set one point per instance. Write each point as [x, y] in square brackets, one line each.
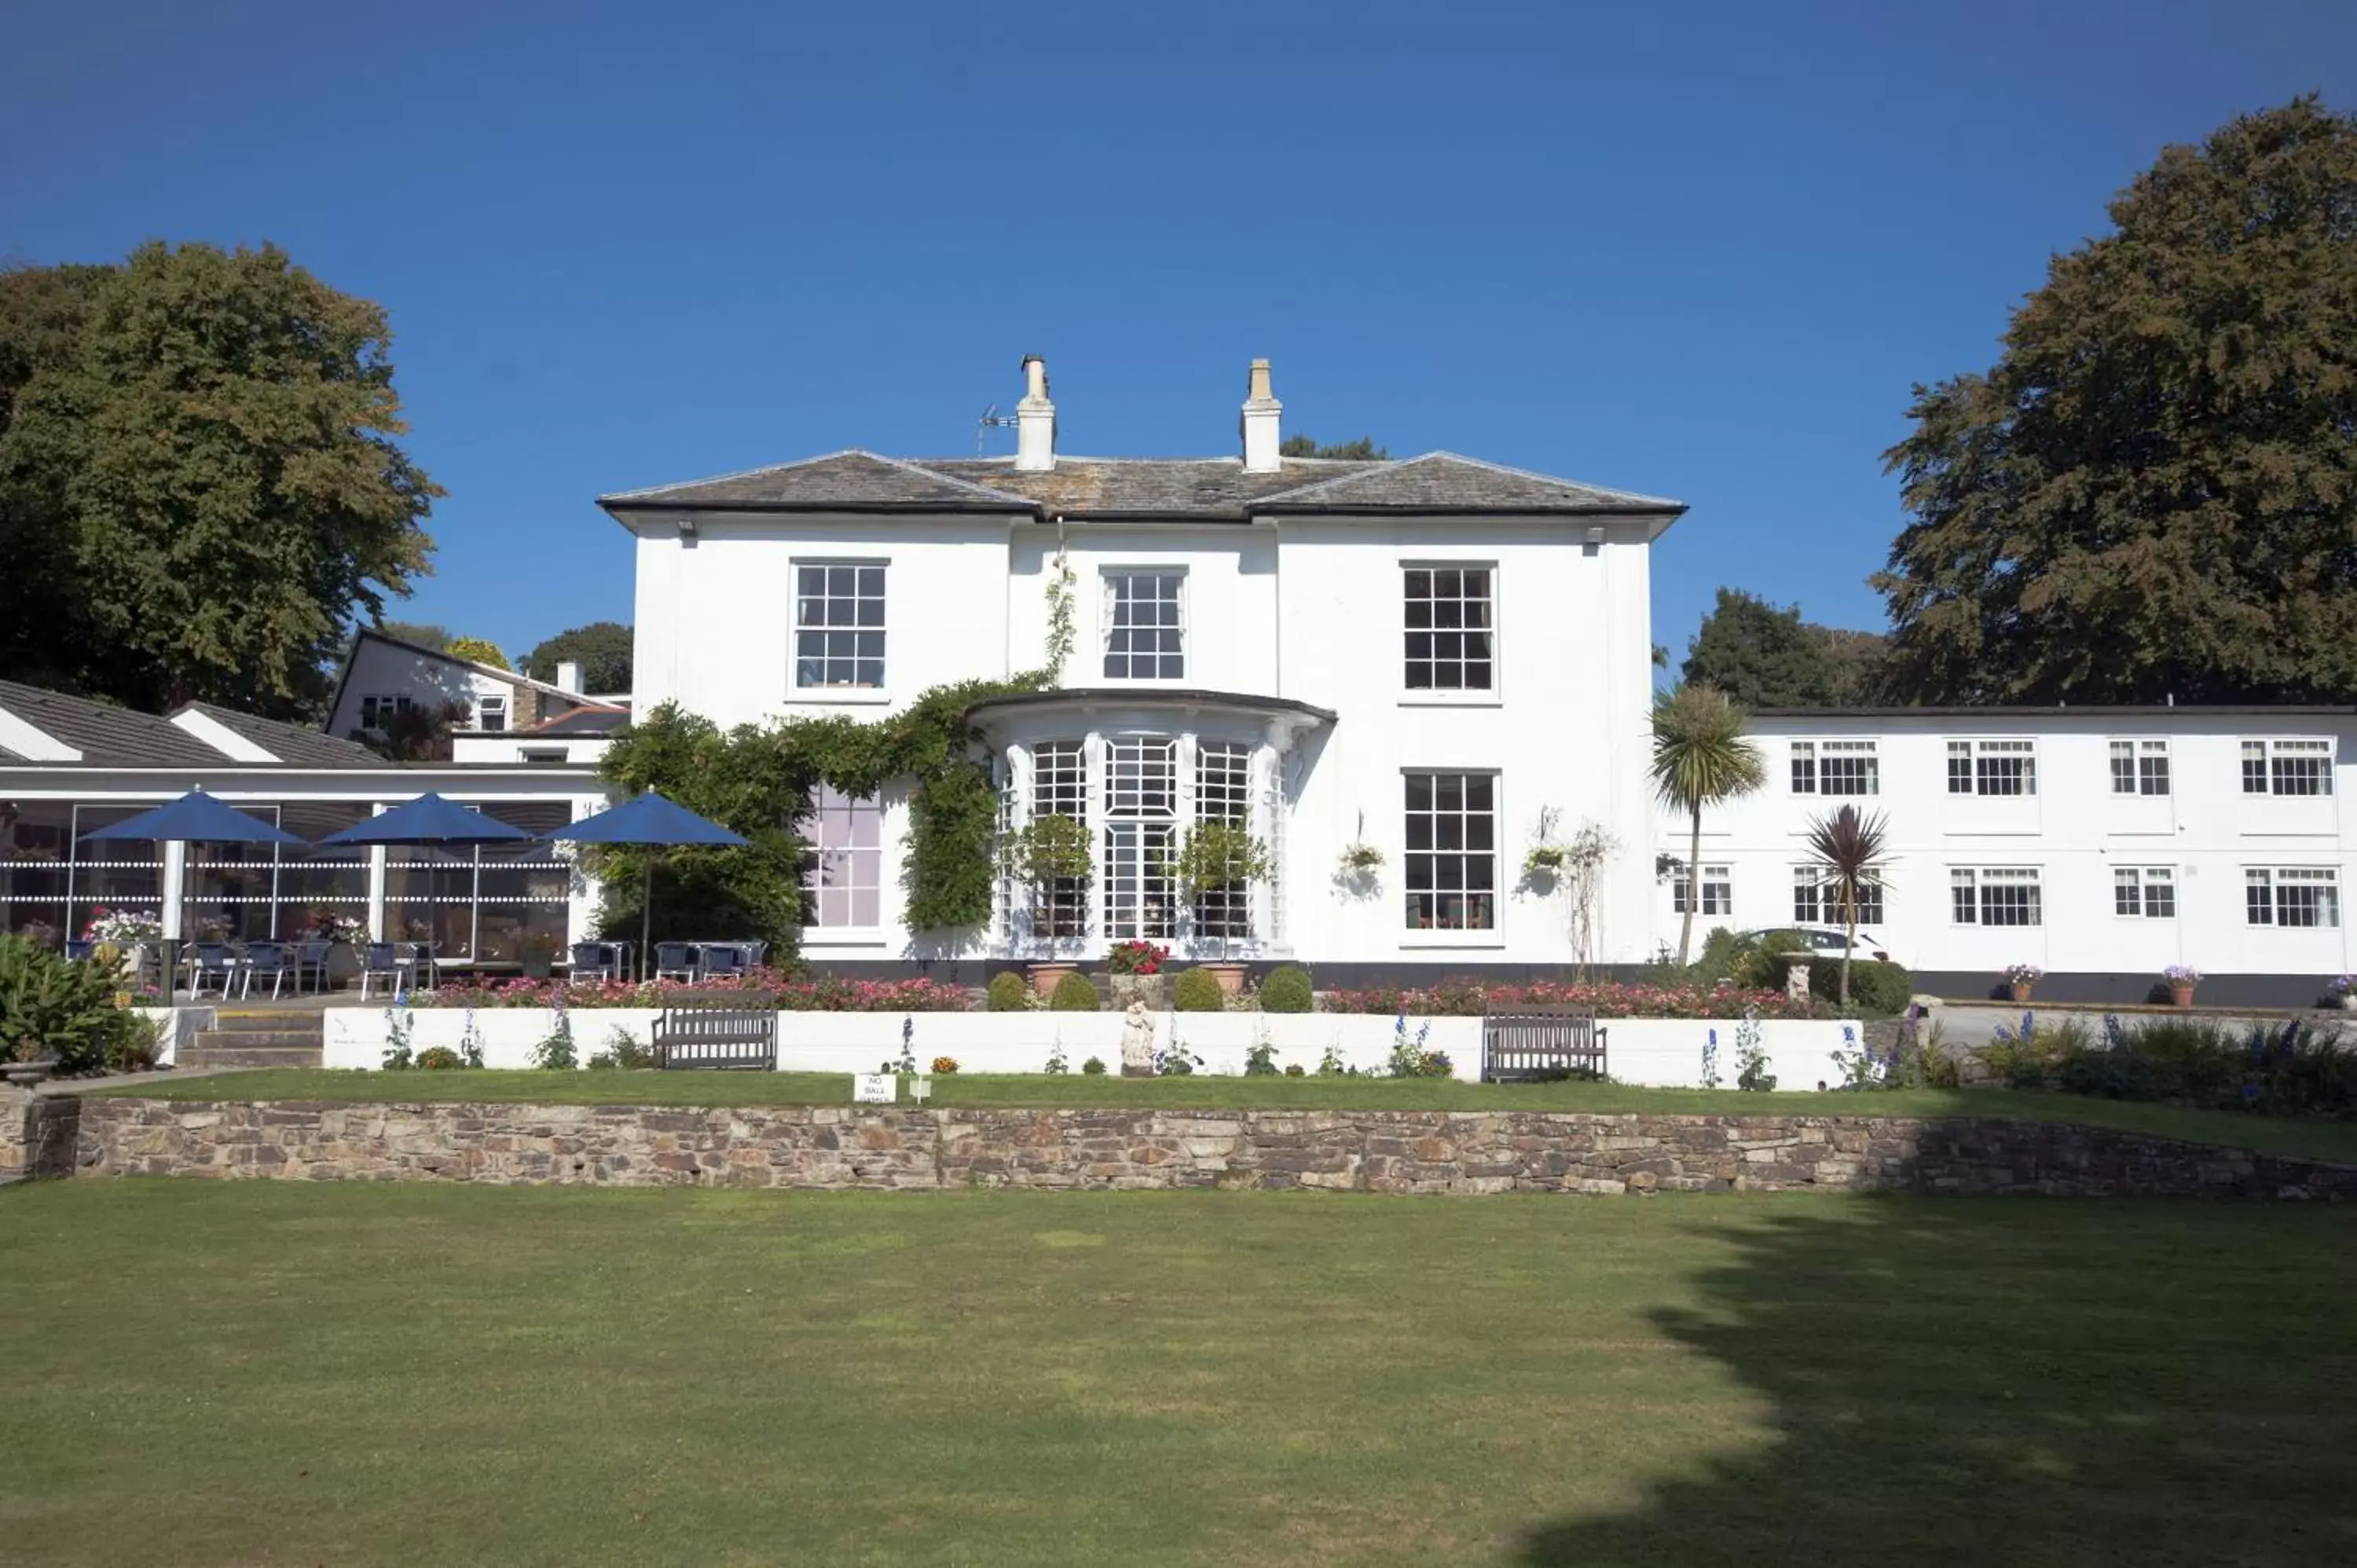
[1687, 248]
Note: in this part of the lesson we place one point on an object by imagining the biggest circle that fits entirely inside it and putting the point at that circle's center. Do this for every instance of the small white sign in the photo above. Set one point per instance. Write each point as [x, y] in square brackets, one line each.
[920, 1088]
[880, 1087]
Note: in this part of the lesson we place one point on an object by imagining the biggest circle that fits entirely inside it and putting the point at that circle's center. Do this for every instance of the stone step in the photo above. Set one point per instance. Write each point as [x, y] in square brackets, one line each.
[263, 1039]
[257, 1022]
[206, 1051]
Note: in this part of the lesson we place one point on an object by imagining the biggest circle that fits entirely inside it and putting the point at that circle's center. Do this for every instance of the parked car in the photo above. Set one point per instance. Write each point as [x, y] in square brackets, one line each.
[1828, 941]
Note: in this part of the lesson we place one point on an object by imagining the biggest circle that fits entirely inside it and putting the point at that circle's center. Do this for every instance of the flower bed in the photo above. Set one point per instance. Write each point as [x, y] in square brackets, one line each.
[827, 994]
[1470, 998]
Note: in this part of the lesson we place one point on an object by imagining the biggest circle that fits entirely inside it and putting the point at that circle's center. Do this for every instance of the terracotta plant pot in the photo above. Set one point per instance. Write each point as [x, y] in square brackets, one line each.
[1044, 976]
[2021, 991]
[1231, 977]
[2180, 996]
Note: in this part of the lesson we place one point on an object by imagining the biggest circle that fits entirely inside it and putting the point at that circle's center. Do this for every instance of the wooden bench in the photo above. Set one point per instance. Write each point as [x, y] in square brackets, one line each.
[730, 1029]
[1535, 1045]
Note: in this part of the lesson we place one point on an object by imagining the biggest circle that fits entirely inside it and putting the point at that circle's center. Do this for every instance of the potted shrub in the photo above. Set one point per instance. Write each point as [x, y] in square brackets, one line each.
[2344, 992]
[2180, 979]
[1045, 850]
[2021, 977]
[1213, 856]
[536, 952]
[1136, 968]
[124, 938]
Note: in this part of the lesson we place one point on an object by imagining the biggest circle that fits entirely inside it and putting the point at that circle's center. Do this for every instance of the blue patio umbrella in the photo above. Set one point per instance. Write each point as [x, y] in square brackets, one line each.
[195, 818]
[430, 821]
[655, 822]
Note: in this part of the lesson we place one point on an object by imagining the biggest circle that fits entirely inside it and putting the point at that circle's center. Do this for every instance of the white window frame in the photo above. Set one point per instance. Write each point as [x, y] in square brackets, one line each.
[846, 861]
[1718, 889]
[1976, 779]
[1980, 881]
[1490, 695]
[485, 704]
[838, 693]
[2139, 768]
[376, 707]
[2271, 752]
[2139, 884]
[1814, 902]
[1109, 601]
[2274, 882]
[1490, 934]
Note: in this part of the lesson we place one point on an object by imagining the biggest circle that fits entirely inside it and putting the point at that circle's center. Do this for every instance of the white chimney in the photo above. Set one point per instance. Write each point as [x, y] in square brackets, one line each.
[1035, 421]
[1259, 423]
[568, 675]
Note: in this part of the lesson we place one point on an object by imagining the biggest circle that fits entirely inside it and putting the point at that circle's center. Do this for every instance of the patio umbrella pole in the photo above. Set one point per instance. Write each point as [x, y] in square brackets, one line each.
[646, 917]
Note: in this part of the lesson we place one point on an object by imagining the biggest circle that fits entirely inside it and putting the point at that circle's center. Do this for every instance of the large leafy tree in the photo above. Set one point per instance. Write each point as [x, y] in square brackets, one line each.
[602, 649]
[201, 492]
[2154, 491]
[1759, 655]
[1700, 759]
[1362, 450]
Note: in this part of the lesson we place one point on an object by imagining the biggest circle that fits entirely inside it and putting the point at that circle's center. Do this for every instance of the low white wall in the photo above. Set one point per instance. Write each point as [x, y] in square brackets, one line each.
[1665, 1052]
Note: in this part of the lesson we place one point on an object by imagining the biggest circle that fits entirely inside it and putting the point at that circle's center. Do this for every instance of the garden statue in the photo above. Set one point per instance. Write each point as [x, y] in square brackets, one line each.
[1136, 1041]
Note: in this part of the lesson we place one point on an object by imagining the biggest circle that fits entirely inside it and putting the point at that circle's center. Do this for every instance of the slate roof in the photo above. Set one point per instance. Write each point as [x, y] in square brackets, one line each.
[122, 737]
[1172, 488]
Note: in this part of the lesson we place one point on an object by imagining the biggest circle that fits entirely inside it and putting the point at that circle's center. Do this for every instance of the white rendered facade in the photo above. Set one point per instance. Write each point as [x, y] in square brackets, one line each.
[1253, 658]
[2102, 845]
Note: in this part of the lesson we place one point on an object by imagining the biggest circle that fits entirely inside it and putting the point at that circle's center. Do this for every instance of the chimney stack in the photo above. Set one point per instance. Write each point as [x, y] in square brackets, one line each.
[568, 676]
[1259, 422]
[1035, 421]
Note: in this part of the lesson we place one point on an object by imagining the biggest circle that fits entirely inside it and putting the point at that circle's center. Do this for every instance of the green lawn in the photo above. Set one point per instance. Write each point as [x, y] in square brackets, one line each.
[263, 1372]
[2313, 1140]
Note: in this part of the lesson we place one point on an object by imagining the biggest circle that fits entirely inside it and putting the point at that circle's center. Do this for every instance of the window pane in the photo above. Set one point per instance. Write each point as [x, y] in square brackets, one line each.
[1451, 863]
[829, 602]
[1447, 620]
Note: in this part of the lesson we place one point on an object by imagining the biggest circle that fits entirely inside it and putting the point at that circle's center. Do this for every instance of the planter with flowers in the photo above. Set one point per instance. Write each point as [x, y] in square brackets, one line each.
[124, 939]
[1139, 971]
[536, 952]
[2344, 992]
[2180, 979]
[2022, 977]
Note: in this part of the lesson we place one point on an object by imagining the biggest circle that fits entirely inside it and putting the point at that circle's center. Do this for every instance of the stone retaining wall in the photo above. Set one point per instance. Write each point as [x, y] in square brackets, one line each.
[834, 1147]
[39, 1134]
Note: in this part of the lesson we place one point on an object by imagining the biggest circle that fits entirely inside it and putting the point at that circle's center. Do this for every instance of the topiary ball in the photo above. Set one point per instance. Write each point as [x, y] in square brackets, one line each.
[1198, 990]
[1073, 993]
[1009, 993]
[1286, 989]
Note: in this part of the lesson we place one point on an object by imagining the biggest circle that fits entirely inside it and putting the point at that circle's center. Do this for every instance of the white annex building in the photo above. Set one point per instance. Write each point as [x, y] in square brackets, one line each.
[1447, 662]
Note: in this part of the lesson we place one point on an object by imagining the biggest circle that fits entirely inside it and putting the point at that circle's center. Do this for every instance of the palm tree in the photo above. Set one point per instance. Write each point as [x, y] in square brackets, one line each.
[1849, 850]
[1700, 759]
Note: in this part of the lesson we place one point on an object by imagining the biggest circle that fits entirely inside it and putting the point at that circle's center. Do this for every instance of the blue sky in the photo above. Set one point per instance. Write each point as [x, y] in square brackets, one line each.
[1694, 250]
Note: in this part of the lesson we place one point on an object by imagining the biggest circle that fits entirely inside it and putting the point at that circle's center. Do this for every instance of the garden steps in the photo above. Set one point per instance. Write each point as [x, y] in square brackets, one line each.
[255, 1038]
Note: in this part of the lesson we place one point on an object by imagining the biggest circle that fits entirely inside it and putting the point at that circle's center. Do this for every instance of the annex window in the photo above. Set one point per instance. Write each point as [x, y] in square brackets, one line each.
[1717, 890]
[2146, 892]
[378, 712]
[1060, 788]
[843, 869]
[1804, 767]
[2139, 767]
[1140, 830]
[2291, 896]
[2286, 767]
[1144, 630]
[1816, 903]
[1223, 794]
[839, 626]
[492, 712]
[1450, 619]
[1849, 767]
[1992, 767]
[2002, 897]
[1451, 862]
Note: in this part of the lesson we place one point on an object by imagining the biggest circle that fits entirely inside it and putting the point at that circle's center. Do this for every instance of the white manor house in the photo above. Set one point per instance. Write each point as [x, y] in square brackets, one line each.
[1402, 676]
[1447, 662]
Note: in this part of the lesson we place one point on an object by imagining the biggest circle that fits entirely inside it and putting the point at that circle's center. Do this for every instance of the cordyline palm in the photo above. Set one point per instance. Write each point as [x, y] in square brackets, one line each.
[1849, 849]
[1700, 759]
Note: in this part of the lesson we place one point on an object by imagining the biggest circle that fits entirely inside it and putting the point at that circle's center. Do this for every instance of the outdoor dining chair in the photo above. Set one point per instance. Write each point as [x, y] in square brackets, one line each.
[311, 964]
[382, 961]
[676, 960]
[77, 948]
[724, 960]
[272, 961]
[216, 960]
[595, 960]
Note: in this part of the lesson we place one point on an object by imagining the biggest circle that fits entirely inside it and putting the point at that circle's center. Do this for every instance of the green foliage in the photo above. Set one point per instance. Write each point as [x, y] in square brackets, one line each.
[1759, 655]
[1362, 450]
[1073, 993]
[52, 1006]
[1260, 1058]
[1197, 990]
[2288, 1069]
[2152, 494]
[199, 487]
[602, 649]
[138, 1046]
[1045, 850]
[1848, 848]
[555, 1051]
[623, 1050]
[436, 638]
[1009, 993]
[1060, 631]
[1699, 759]
[1286, 989]
[1877, 989]
[1093, 1068]
[1219, 854]
[439, 1058]
[1751, 1074]
[480, 649]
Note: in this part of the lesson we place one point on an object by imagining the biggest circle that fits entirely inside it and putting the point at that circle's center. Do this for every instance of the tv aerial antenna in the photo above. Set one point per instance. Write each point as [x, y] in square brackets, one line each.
[991, 420]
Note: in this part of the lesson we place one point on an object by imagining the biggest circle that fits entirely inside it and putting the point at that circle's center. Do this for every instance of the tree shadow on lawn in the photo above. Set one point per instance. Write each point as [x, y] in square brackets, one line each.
[2018, 1381]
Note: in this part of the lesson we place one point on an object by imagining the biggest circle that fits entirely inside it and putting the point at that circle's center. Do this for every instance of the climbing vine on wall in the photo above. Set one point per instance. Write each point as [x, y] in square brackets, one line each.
[1060, 620]
[759, 780]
